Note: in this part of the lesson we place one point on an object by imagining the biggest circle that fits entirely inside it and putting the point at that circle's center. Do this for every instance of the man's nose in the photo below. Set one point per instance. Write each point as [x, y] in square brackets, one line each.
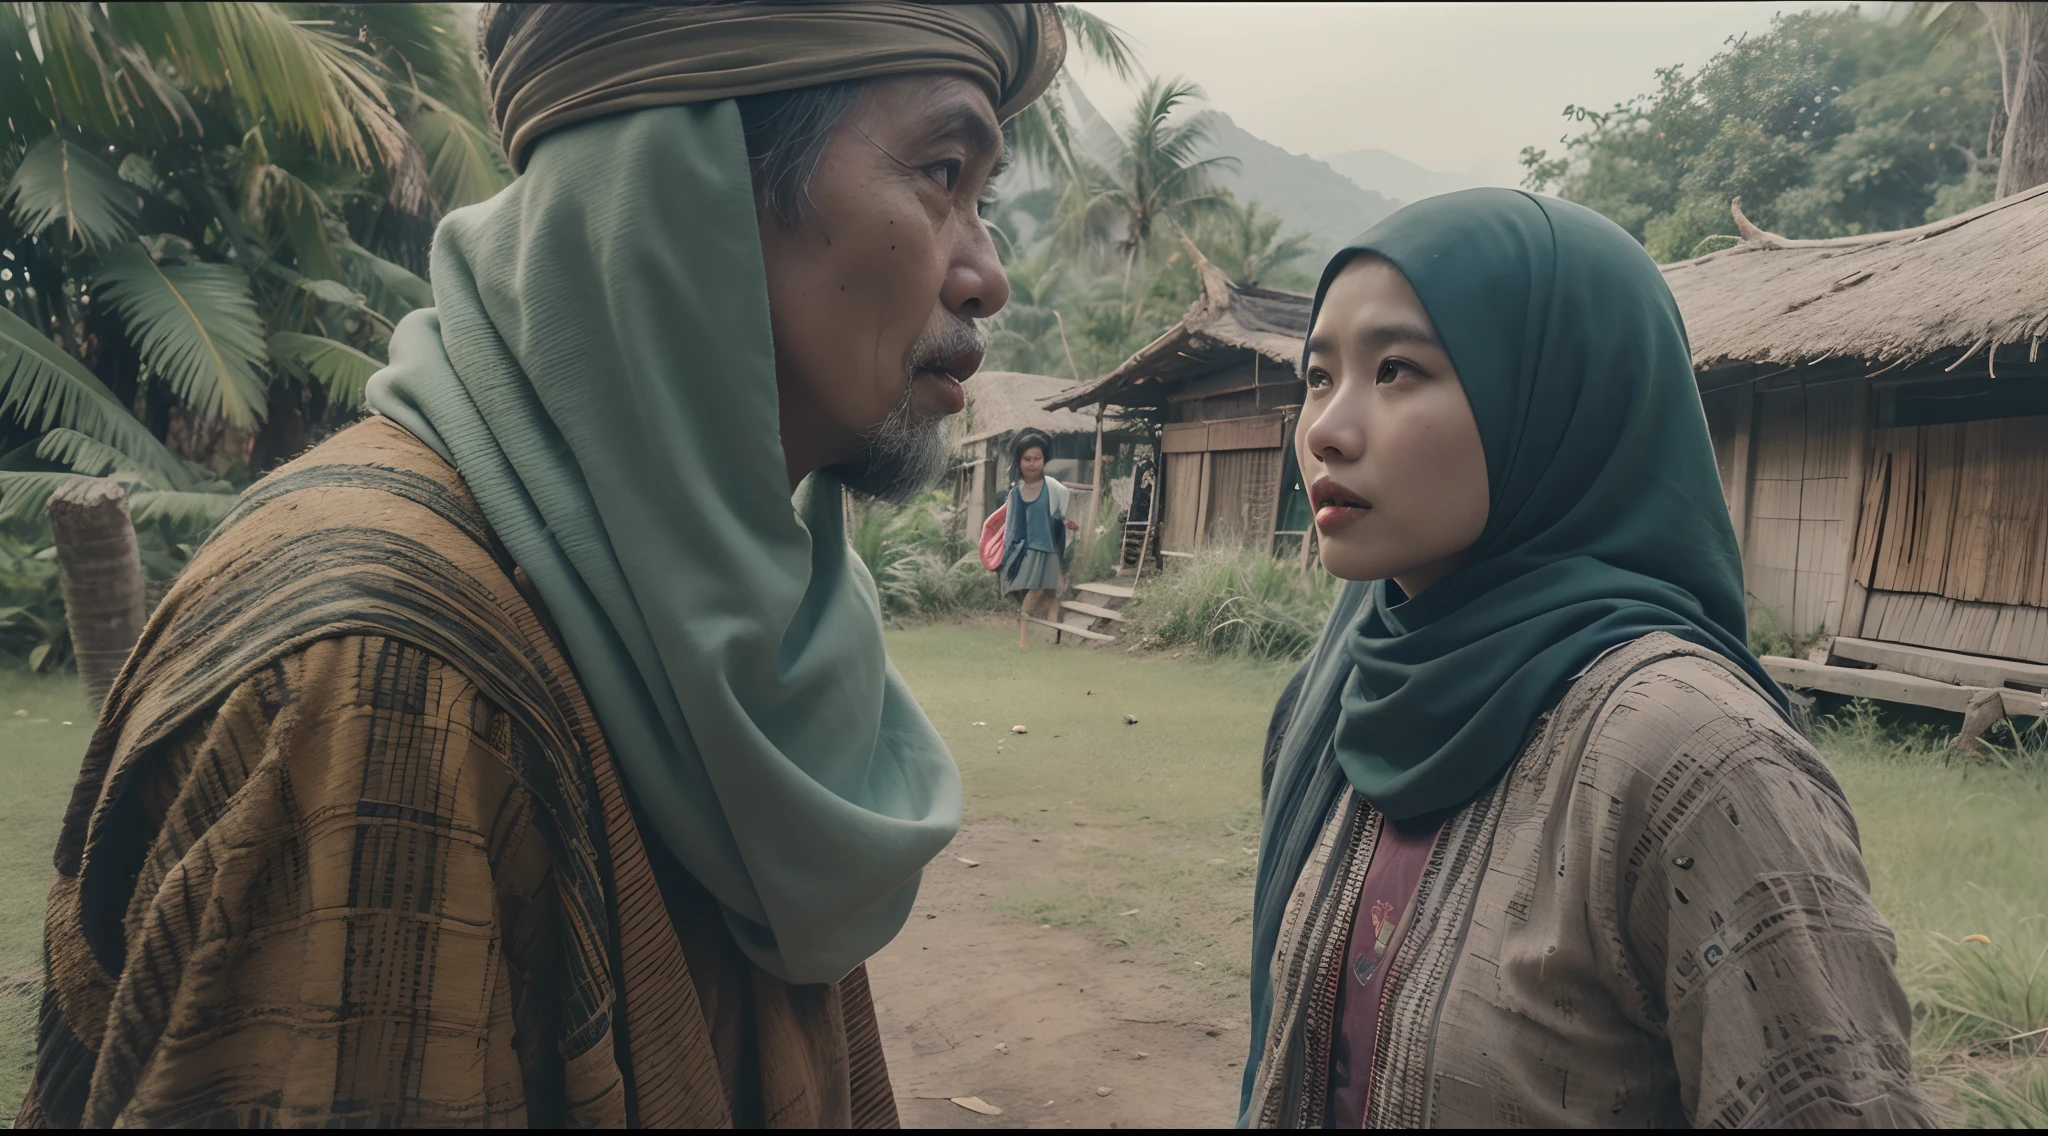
[976, 286]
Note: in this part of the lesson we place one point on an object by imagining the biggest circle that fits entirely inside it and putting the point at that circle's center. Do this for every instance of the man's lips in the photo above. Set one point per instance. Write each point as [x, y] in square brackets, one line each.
[948, 374]
[1335, 504]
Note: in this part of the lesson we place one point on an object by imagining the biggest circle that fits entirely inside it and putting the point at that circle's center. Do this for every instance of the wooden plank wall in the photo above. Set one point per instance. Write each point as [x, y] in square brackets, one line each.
[1954, 546]
[1243, 487]
[1180, 509]
[1803, 503]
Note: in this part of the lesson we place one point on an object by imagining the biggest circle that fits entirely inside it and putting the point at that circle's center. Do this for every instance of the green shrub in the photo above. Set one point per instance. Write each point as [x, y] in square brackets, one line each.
[1237, 602]
[1767, 638]
[32, 628]
[924, 563]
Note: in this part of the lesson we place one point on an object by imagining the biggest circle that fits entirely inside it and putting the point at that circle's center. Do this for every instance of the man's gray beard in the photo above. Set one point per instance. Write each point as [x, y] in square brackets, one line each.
[898, 459]
[905, 454]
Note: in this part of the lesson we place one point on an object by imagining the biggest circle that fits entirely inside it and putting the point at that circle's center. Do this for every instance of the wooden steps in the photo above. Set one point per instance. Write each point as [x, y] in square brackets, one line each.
[1071, 629]
[1114, 591]
[1093, 609]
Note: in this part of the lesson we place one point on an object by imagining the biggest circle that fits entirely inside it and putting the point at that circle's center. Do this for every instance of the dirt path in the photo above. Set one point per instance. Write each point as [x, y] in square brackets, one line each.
[1034, 1021]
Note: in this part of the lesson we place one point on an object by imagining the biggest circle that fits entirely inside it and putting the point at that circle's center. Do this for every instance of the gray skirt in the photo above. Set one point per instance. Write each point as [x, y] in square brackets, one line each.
[1035, 570]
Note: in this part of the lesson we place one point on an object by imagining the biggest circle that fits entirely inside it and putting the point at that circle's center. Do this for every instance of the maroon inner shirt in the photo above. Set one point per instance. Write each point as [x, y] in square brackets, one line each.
[1386, 907]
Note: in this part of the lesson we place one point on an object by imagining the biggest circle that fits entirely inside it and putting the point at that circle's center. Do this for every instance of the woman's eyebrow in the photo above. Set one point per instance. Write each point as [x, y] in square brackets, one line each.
[1386, 335]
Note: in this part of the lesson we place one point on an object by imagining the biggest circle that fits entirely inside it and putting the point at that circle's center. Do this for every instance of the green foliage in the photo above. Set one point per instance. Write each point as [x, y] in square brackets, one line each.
[58, 181]
[194, 326]
[923, 563]
[1236, 603]
[213, 215]
[32, 630]
[2017, 1100]
[1767, 638]
[1831, 124]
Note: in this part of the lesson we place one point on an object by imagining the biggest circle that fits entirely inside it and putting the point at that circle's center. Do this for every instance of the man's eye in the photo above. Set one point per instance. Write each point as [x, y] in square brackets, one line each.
[947, 173]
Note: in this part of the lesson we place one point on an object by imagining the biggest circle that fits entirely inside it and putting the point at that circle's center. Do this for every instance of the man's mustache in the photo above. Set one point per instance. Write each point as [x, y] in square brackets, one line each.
[941, 344]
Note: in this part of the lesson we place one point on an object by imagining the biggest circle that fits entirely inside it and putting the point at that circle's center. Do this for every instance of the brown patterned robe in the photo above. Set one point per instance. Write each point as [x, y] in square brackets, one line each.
[1657, 918]
[348, 849]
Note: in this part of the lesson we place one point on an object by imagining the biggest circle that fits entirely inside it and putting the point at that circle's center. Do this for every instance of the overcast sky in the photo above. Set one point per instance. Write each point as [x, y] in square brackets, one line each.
[1454, 87]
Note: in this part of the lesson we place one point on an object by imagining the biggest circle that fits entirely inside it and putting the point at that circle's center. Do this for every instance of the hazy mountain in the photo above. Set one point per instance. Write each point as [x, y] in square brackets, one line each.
[1306, 194]
[1394, 176]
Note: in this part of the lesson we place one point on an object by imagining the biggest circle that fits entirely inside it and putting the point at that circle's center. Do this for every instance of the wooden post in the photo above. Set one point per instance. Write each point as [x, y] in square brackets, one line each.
[1202, 505]
[105, 601]
[1151, 515]
[1742, 472]
[1089, 536]
[1854, 596]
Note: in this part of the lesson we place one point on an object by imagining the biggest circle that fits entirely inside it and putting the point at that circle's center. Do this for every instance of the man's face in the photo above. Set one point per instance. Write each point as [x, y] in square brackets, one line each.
[873, 294]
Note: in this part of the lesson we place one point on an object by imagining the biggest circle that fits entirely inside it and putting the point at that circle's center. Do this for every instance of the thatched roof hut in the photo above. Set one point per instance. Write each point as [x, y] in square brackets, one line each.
[1970, 284]
[1223, 387]
[1004, 402]
[1879, 409]
[1228, 328]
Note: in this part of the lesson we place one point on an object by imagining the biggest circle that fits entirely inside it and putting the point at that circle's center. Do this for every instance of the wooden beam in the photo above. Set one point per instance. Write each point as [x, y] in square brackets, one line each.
[1942, 666]
[1888, 686]
[1094, 520]
[1116, 591]
[1202, 504]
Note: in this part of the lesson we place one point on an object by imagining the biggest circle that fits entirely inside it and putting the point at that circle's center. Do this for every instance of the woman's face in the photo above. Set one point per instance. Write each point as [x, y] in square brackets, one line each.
[1395, 468]
[1031, 463]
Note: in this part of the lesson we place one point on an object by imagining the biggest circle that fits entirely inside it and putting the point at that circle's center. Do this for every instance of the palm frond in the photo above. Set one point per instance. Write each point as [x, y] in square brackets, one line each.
[183, 508]
[391, 289]
[464, 165]
[71, 69]
[23, 495]
[79, 452]
[1103, 41]
[43, 388]
[341, 369]
[278, 204]
[302, 78]
[194, 325]
[59, 181]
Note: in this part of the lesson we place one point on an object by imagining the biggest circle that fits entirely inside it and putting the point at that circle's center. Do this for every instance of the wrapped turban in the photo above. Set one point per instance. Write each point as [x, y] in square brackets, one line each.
[559, 64]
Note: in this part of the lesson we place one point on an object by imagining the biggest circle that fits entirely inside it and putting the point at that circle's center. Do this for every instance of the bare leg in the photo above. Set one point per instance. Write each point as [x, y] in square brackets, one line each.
[1023, 628]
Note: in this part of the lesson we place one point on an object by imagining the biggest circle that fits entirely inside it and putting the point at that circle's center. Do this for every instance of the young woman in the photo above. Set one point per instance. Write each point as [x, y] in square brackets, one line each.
[1035, 539]
[1541, 847]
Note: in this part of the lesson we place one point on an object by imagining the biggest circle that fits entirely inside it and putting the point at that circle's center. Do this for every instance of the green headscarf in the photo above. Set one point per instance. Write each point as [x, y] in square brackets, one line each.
[600, 370]
[1606, 523]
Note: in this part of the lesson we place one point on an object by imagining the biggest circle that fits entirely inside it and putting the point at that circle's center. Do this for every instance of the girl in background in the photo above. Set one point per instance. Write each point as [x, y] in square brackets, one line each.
[1035, 540]
[1541, 847]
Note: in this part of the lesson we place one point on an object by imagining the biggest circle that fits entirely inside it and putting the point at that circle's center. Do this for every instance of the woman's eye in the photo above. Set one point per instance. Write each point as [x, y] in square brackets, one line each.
[1318, 378]
[1391, 369]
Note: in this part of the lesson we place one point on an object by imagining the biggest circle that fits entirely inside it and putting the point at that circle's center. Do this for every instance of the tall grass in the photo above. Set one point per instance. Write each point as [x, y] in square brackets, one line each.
[1236, 602]
[924, 562]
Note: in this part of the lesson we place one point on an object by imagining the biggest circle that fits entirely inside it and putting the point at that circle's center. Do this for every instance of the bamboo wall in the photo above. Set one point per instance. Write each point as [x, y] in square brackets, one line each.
[1932, 536]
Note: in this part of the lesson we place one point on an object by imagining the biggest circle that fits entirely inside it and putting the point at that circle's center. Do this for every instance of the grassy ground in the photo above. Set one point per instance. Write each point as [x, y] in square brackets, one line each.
[1163, 816]
[39, 755]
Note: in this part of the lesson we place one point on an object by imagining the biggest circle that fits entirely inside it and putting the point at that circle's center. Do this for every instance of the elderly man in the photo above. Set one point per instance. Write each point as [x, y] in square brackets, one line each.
[528, 754]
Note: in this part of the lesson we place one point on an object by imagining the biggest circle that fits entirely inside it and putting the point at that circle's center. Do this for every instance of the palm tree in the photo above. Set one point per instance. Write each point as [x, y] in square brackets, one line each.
[1042, 132]
[1158, 180]
[212, 215]
[1246, 243]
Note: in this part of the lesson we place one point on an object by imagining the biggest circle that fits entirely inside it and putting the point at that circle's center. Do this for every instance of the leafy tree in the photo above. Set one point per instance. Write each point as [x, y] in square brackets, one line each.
[1830, 124]
[212, 215]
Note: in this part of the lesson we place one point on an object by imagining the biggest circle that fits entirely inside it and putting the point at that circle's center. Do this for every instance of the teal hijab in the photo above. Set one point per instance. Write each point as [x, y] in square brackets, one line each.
[1606, 523]
[600, 369]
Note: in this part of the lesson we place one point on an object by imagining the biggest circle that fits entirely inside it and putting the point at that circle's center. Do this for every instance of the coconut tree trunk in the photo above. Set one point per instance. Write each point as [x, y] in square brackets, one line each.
[101, 567]
[2020, 33]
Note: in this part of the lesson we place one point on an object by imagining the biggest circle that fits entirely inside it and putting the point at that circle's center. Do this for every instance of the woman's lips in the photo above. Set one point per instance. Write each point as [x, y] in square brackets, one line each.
[1335, 505]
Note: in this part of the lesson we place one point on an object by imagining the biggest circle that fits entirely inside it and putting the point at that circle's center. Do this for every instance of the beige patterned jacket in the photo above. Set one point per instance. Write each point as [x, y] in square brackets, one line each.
[1658, 918]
